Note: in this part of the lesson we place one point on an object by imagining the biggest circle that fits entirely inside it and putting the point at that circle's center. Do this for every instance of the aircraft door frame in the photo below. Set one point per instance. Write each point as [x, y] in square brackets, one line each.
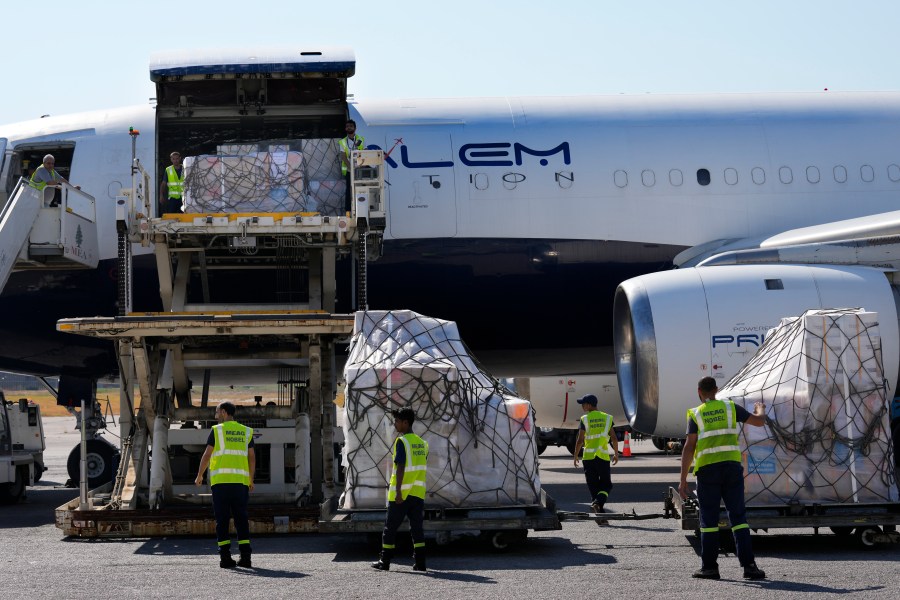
[421, 188]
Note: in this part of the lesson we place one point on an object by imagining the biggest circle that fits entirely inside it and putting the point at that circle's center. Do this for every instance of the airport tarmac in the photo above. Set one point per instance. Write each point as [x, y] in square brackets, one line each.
[638, 559]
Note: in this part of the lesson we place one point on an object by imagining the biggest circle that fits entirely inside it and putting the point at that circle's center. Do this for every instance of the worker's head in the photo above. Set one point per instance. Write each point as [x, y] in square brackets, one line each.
[350, 127]
[225, 411]
[404, 419]
[175, 157]
[49, 161]
[588, 402]
[707, 388]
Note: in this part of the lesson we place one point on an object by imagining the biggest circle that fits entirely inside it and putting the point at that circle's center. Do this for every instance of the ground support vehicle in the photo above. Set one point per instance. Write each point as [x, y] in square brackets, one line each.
[21, 448]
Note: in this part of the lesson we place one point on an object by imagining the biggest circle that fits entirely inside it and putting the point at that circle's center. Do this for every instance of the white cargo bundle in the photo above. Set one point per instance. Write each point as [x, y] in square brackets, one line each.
[482, 449]
[828, 436]
[299, 176]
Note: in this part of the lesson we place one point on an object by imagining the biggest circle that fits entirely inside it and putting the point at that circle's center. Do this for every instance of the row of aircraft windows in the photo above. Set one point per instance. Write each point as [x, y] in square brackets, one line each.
[758, 175]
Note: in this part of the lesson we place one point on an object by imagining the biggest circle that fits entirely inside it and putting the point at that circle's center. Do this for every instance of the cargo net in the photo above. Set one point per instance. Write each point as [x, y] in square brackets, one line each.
[481, 438]
[277, 176]
[827, 437]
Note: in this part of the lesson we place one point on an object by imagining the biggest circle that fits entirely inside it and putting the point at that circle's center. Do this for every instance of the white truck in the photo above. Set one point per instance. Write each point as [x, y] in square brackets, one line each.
[21, 448]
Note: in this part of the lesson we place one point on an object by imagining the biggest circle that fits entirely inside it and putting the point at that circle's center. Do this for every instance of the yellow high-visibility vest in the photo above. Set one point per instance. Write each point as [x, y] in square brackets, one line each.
[175, 182]
[414, 470]
[347, 147]
[717, 433]
[42, 184]
[229, 462]
[596, 434]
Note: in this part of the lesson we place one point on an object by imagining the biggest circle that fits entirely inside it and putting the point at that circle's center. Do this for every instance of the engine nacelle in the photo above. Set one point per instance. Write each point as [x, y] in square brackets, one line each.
[674, 327]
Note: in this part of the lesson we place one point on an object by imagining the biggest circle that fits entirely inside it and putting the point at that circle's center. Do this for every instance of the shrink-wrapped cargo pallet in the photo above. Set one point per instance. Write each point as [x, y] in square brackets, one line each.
[298, 176]
[482, 449]
[827, 437]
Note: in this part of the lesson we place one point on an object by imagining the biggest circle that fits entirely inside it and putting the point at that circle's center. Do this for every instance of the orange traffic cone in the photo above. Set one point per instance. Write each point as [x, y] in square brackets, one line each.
[626, 449]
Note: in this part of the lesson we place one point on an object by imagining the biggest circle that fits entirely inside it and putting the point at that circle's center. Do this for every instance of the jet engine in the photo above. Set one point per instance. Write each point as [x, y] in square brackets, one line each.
[674, 327]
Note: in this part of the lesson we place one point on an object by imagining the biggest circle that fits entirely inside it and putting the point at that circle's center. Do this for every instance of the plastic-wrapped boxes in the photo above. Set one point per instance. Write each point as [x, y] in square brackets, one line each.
[482, 449]
[828, 437]
[300, 176]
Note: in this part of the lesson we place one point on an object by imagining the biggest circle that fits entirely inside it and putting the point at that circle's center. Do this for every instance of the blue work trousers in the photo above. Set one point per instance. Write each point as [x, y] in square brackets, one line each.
[230, 500]
[599, 480]
[722, 481]
[411, 507]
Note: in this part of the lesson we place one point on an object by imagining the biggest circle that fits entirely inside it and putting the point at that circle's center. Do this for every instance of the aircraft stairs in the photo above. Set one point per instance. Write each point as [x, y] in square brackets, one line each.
[199, 337]
[35, 236]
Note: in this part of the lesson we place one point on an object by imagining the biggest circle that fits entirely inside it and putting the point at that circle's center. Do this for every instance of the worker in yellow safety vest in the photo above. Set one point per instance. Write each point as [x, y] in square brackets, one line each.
[171, 188]
[712, 446]
[406, 491]
[348, 144]
[46, 175]
[596, 435]
[232, 463]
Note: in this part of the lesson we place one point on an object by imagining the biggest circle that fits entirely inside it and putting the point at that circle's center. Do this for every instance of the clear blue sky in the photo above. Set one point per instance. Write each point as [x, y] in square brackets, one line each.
[63, 57]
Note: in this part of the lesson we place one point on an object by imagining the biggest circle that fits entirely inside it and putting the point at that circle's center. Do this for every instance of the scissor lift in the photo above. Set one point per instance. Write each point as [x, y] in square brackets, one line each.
[291, 344]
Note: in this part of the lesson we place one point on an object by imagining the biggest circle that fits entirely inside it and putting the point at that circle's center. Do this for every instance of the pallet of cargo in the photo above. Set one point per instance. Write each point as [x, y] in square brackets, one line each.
[501, 526]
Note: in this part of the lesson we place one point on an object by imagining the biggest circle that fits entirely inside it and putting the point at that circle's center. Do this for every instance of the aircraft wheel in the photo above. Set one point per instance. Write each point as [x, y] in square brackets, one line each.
[658, 442]
[12, 492]
[100, 459]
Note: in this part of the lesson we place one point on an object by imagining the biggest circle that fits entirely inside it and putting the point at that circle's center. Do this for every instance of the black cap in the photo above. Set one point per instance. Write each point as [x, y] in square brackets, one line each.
[588, 399]
[407, 414]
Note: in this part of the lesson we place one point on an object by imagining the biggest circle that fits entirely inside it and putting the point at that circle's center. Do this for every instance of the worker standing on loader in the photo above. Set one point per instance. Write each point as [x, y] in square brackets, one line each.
[232, 463]
[406, 491]
[594, 436]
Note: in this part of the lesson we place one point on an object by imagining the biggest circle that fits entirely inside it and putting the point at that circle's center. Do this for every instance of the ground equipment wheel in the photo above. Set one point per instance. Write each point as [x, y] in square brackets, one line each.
[12, 492]
[504, 540]
[866, 536]
[841, 531]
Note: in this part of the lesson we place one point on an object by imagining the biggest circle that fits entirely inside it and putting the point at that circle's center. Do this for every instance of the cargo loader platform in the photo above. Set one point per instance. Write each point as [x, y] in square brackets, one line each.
[872, 524]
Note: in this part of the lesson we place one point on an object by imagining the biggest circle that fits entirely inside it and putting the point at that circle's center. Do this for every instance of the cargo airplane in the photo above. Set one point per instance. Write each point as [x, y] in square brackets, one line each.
[519, 218]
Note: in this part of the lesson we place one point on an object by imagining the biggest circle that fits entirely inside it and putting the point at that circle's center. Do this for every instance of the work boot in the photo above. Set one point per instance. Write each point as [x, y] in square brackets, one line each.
[751, 571]
[706, 574]
[384, 560]
[245, 556]
[225, 560]
[419, 560]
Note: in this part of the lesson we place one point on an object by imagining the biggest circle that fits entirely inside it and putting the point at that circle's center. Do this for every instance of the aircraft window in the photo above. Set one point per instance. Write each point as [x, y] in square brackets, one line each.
[894, 173]
[774, 284]
[786, 175]
[840, 174]
[758, 176]
[620, 178]
[812, 174]
[867, 173]
[731, 176]
[703, 177]
[675, 177]
[648, 178]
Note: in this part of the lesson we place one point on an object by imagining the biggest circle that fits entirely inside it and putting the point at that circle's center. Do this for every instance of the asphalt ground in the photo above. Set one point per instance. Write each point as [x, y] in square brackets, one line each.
[628, 559]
